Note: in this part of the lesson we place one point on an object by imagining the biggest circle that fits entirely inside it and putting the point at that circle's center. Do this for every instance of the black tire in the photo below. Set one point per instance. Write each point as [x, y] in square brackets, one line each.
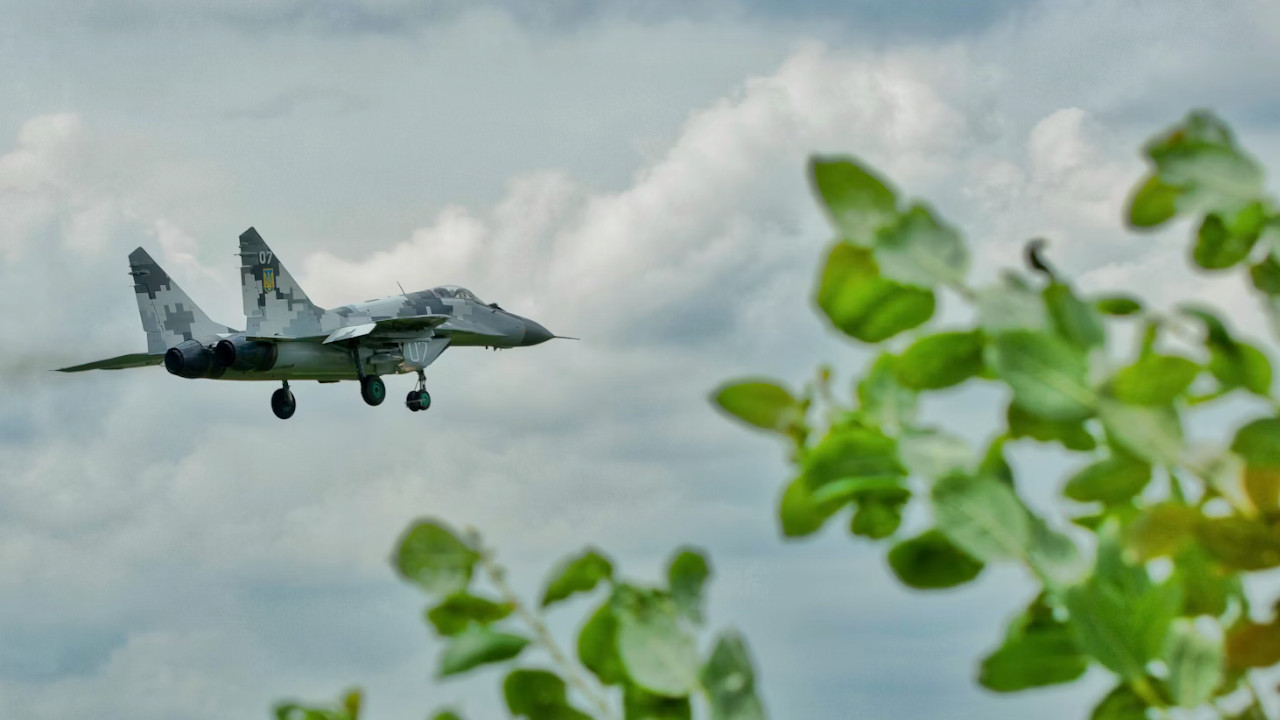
[283, 404]
[411, 401]
[373, 390]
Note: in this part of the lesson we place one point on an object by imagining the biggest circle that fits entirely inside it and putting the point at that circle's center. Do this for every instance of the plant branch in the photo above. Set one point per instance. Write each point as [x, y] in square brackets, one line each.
[572, 673]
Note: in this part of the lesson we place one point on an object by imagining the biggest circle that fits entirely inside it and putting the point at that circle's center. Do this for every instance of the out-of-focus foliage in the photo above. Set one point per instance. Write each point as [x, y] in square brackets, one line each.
[1142, 576]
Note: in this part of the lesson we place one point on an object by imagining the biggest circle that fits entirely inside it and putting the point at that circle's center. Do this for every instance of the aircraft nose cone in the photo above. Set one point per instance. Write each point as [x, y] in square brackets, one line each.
[535, 333]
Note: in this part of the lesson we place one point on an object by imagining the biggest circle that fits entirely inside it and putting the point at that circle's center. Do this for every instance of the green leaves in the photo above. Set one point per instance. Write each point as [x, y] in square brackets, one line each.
[1234, 363]
[851, 452]
[1118, 617]
[1072, 434]
[858, 202]
[982, 516]
[656, 651]
[1110, 481]
[1154, 203]
[687, 573]
[349, 709]
[1195, 657]
[433, 558]
[477, 645]
[459, 610]
[1224, 241]
[1034, 657]
[940, 361]
[538, 695]
[577, 575]
[1240, 542]
[864, 305]
[1073, 320]
[931, 562]
[1154, 380]
[760, 403]
[729, 679]
[598, 646]
[1047, 375]
[1199, 164]
[921, 251]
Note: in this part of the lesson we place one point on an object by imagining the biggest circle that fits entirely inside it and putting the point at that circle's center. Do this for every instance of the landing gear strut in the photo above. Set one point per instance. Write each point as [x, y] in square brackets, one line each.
[282, 402]
[418, 398]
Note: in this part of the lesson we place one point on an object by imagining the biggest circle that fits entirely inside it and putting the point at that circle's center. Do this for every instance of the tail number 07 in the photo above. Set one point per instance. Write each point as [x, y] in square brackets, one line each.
[264, 257]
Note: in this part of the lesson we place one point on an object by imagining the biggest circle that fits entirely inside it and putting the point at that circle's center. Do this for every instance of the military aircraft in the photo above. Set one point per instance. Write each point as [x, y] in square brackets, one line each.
[288, 337]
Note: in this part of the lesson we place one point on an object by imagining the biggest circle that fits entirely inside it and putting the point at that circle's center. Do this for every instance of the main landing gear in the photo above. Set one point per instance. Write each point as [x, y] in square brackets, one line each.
[373, 390]
[418, 398]
[282, 402]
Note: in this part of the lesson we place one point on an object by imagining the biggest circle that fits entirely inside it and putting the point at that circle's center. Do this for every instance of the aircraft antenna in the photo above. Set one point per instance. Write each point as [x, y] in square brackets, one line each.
[402, 292]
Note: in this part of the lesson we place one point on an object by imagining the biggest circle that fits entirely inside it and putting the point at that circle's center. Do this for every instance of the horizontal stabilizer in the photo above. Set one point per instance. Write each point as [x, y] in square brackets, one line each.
[118, 363]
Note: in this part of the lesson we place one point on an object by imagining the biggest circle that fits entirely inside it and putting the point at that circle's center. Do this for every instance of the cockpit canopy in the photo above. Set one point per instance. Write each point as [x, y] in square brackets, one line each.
[454, 291]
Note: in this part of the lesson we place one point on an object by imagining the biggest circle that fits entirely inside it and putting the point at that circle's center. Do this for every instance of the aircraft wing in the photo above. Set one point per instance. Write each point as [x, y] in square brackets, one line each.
[415, 323]
[117, 363]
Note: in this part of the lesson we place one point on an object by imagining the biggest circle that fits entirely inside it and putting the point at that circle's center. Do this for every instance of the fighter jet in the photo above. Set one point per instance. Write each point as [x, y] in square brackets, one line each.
[288, 337]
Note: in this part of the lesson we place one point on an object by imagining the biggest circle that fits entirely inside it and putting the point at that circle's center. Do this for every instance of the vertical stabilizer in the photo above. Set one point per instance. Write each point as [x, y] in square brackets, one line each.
[274, 304]
[169, 317]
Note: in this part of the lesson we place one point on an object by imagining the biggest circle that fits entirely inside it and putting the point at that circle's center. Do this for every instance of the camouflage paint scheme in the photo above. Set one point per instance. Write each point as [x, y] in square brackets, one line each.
[398, 334]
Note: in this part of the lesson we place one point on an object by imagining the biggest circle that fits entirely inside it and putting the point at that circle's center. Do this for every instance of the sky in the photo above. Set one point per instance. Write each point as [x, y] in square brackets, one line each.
[627, 173]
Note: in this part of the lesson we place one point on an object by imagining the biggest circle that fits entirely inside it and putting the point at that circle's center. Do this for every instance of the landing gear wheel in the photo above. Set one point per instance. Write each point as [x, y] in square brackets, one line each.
[283, 404]
[417, 400]
[373, 390]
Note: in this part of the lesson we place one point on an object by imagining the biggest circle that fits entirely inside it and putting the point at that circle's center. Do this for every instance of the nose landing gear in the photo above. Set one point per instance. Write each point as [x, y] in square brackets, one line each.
[282, 402]
[418, 398]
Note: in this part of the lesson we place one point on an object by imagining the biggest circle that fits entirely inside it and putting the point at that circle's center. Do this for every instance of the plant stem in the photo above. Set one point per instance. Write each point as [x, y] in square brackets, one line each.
[570, 669]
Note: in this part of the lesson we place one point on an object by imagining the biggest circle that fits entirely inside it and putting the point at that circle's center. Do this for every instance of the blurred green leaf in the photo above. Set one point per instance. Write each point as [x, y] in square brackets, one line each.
[1154, 380]
[932, 454]
[1110, 481]
[1252, 645]
[1195, 660]
[432, 557]
[864, 305]
[538, 695]
[1071, 434]
[1054, 557]
[940, 361]
[460, 609]
[1240, 543]
[598, 646]
[640, 705]
[729, 679]
[1199, 156]
[801, 514]
[982, 516]
[930, 561]
[1258, 442]
[577, 574]
[1122, 703]
[761, 403]
[1046, 656]
[1011, 305]
[1047, 375]
[687, 573]
[994, 464]
[858, 202]
[879, 514]
[851, 452]
[882, 400]
[919, 250]
[1233, 363]
[446, 715]
[1119, 617]
[1221, 244]
[1118, 305]
[1266, 275]
[478, 645]
[1161, 530]
[1073, 320]
[1153, 434]
[657, 653]
[1207, 587]
[1154, 203]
